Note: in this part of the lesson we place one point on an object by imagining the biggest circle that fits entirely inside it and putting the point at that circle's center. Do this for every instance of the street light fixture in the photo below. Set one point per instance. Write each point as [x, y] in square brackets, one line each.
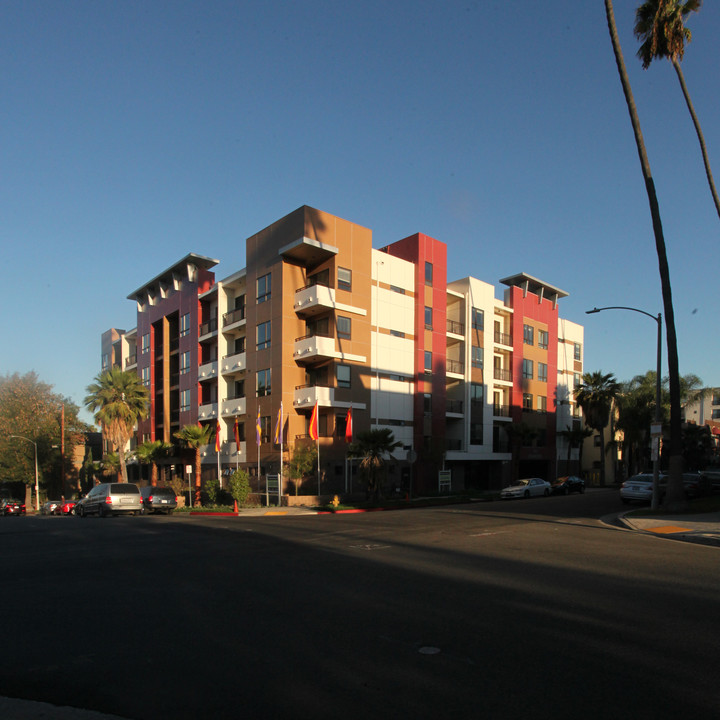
[656, 431]
[37, 484]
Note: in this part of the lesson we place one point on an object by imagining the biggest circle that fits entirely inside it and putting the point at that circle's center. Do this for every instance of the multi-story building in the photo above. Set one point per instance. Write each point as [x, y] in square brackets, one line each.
[318, 318]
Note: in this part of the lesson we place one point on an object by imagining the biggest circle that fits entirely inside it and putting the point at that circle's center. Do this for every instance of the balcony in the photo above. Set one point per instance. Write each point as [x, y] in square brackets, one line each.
[501, 411]
[502, 375]
[453, 444]
[306, 396]
[455, 367]
[208, 371]
[208, 411]
[131, 361]
[233, 319]
[311, 348]
[455, 328]
[454, 407]
[233, 406]
[208, 328]
[232, 364]
[314, 299]
[503, 339]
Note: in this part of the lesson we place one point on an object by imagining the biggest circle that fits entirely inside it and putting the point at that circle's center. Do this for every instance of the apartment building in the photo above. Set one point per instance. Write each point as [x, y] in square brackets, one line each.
[317, 317]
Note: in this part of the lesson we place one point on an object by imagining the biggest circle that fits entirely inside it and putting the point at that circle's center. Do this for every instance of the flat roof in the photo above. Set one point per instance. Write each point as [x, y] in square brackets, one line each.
[166, 275]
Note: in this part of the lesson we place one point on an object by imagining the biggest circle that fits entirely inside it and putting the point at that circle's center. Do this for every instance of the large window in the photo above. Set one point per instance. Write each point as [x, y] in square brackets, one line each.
[543, 339]
[344, 279]
[342, 374]
[542, 403]
[184, 324]
[428, 273]
[146, 376]
[145, 343]
[264, 385]
[528, 334]
[478, 319]
[428, 318]
[184, 400]
[344, 326]
[527, 401]
[527, 369]
[477, 393]
[427, 403]
[477, 357]
[428, 361]
[263, 288]
[476, 433]
[578, 351]
[185, 363]
[263, 335]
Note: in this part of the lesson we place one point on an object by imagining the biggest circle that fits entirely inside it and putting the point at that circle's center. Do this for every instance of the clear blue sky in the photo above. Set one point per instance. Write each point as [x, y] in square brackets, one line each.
[136, 132]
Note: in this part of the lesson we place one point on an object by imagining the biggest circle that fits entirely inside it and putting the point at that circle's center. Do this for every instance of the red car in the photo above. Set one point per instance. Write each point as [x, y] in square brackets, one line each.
[67, 506]
[12, 507]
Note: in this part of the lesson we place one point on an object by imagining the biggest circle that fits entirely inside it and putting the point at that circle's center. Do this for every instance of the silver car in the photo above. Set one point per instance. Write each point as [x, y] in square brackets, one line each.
[111, 499]
[639, 488]
[527, 487]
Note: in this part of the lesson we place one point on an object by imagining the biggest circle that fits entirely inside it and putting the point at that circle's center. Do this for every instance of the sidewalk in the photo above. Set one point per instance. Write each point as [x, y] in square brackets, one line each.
[703, 529]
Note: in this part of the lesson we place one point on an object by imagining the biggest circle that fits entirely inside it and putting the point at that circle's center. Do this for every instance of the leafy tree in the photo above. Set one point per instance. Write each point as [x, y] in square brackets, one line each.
[520, 435]
[675, 496]
[302, 464]
[595, 396]
[119, 399]
[212, 486]
[660, 26]
[29, 408]
[240, 487]
[194, 437]
[151, 452]
[372, 446]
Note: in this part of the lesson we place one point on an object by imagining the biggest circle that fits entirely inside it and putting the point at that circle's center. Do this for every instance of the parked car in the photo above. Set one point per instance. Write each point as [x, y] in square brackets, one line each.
[697, 485]
[158, 499]
[527, 487]
[12, 507]
[111, 499]
[51, 507]
[67, 507]
[568, 484]
[639, 488]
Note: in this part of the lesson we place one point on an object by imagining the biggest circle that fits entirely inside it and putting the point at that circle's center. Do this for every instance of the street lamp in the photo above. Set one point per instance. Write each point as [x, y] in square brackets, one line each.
[656, 431]
[37, 484]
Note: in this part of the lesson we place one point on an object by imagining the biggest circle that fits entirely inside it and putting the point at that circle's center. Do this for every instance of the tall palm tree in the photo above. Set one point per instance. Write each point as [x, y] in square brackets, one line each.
[595, 395]
[151, 452]
[660, 26]
[372, 446]
[195, 436]
[119, 399]
[675, 495]
[575, 437]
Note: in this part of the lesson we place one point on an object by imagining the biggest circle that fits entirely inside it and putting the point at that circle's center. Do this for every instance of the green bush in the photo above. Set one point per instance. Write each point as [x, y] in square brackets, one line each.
[240, 487]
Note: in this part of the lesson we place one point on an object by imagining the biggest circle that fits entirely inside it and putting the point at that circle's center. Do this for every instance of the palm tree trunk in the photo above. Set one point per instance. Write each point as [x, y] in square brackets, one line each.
[675, 497]
[123, 466]
[198, 477]
[699, 132]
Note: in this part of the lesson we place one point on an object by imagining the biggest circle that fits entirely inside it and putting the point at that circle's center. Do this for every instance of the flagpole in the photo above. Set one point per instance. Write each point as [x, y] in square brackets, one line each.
[280, 479]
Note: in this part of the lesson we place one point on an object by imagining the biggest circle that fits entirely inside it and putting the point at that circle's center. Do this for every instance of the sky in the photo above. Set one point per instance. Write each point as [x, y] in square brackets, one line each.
[133, 133]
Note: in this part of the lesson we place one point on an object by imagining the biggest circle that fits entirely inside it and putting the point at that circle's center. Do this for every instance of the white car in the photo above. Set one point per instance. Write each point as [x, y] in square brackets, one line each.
[640, 488]
[528, 487]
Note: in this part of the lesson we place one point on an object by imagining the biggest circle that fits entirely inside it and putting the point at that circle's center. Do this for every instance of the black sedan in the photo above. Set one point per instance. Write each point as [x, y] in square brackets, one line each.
[566, 485]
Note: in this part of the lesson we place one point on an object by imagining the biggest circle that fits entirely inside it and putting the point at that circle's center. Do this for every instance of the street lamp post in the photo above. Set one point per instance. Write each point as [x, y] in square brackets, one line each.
[37, 484]
[657, 430]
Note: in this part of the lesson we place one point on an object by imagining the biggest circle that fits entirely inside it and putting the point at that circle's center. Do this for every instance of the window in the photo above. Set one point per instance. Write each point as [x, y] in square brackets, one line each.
[263, 288]
[344, 326]
[185, 363]
[340, 426]
[397, 333]
[342, 375]
[577, 380]
[427, 403]
[527, 401]
[542, 372]
[399, 290]
[478, 319]
[476, 433]
[240, 345]
[477, 393]
[477, 357]
[716, 414]
[578, 351]
[238, 390]
[716, 399]
[528, 334]
[320, 278]
[428, 318]
[542, 403]
[543, 339]
[184, 324]
[264, 384]
[146, 376]
[428, 273]
[265, 430]
[263, 335]
[241, 431]
[344, 279]
[105, 361]
[145, 343]
[428, 361]
[184, 400]
[527, 369]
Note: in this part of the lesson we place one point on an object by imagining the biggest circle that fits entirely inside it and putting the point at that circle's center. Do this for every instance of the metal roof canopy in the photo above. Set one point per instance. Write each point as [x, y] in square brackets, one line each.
[528, 283]
[178, 268]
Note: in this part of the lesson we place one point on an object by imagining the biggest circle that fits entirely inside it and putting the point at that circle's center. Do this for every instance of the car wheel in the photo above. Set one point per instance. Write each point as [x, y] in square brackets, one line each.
[80, 511]
[526, 494]
[546, 493]
[101, 510]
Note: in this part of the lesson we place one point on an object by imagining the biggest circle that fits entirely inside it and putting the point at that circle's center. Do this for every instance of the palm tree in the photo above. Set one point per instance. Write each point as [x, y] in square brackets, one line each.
[575, 437]
[119, 399]
[675, 495]
[372, 446]
[660, 26]
[521, 435]
[195, 436]
[595, 396]
[151, 452]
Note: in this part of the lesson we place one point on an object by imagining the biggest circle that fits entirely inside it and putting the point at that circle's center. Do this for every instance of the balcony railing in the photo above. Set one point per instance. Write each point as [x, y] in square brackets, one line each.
[453, 444]
[456, 367]
[501, 410]
[233, 316]
[455, 327]
[208, 327]
[131, 360]
[502, 374]
[503, 338]
[454, 406]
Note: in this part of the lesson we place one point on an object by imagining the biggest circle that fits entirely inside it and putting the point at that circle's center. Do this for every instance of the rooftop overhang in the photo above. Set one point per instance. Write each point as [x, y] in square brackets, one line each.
[528, 283]
[183, 269]
[308, 252]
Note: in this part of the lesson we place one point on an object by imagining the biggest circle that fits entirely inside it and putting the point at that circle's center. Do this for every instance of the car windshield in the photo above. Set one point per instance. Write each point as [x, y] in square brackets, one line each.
[523, 482]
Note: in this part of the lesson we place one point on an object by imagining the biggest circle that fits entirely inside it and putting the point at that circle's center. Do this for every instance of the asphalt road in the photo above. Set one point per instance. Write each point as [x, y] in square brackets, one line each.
[529, 608]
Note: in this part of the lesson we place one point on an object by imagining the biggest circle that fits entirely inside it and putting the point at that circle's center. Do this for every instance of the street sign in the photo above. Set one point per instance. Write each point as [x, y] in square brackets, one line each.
[656, 429]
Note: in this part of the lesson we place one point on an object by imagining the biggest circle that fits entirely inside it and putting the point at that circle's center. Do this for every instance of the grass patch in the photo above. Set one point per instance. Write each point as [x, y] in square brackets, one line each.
[696, 506]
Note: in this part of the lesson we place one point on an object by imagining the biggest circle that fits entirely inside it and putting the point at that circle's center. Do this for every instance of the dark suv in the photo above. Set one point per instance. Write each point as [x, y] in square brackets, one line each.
[158, 499]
